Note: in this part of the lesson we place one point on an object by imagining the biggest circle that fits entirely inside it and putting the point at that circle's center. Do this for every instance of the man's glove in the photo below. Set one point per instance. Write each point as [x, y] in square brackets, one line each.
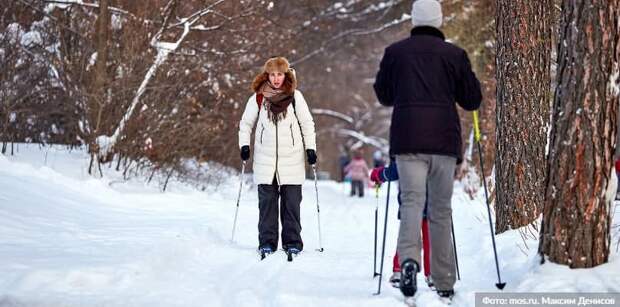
[375, 175]
[311, 156]
[245, 152]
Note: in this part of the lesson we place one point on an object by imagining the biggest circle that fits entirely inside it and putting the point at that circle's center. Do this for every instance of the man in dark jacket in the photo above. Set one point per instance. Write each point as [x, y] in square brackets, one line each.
[422, 77]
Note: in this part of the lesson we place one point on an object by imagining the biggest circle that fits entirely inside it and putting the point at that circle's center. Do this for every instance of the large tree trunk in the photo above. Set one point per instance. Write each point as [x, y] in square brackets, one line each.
[523, 101]
[576, 222]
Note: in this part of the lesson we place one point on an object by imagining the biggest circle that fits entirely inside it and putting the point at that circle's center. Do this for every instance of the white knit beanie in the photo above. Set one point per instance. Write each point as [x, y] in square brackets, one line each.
[426, 13]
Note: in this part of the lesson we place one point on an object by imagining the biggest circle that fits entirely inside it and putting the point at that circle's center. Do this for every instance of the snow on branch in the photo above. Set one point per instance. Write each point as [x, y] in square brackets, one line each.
[65, 3]
[106, 143]
[333, 113]
[351, 32]
[403, 18]
[54, 19]
[346, 11]
[371, 9]
[379, 143]
[197, 15]
[118, 11]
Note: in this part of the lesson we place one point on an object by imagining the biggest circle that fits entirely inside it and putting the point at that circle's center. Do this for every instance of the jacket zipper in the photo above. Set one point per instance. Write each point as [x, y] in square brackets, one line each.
[261, 134]
[277, 174]
[292, 135]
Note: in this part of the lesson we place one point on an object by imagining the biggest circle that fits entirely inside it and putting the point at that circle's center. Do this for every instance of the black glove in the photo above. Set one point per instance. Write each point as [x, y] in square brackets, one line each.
[245, 152]
[311, 156]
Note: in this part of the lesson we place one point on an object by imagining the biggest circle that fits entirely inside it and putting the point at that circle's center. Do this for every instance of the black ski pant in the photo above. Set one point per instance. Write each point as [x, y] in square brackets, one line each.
[289, 197]
[357, 188]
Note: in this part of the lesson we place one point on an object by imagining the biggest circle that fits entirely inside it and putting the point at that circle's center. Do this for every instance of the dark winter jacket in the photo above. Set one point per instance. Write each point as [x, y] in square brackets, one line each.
[422, 77]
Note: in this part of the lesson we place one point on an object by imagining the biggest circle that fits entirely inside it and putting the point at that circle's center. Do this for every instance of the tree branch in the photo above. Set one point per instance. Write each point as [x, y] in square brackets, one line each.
[353, 32]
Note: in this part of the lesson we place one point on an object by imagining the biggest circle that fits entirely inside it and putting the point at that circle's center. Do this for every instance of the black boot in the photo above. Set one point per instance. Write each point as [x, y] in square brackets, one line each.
[292, 252]
[265, 251]
[408, 283]
[446, 295]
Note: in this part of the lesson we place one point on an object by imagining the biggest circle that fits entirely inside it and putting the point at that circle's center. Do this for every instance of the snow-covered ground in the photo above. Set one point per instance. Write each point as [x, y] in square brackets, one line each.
[67, 239]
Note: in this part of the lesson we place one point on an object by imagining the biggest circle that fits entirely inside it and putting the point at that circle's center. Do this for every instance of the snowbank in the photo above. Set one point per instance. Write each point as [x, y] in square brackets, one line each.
[67, 239]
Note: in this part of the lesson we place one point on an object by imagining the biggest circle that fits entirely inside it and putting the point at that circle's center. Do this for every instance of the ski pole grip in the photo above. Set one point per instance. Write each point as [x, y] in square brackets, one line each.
[476, 127]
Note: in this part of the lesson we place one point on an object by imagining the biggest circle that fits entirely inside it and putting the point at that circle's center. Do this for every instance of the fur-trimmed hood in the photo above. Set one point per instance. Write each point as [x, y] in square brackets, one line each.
[279, 64]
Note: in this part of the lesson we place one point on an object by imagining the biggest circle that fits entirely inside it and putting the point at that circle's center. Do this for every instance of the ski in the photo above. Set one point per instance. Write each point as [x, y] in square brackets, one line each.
[446, 296]
[430, 283]
[395, 280]
[446, 300]
[410, 301]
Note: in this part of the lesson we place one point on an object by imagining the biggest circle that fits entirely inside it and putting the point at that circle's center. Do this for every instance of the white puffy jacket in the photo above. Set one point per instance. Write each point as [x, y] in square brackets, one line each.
[279, 149]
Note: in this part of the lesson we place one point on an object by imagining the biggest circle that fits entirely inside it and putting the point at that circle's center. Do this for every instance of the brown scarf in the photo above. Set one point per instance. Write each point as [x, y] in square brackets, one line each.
[276, 101]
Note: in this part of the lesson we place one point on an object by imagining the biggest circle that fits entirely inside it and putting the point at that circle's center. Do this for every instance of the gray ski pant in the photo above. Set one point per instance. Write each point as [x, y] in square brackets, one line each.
[417, 173]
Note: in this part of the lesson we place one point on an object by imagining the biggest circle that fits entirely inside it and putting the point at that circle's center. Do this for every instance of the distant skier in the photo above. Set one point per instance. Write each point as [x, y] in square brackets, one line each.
[422, 77]
[377, 159]
[358, 170]
[343, 161]
[284, 126]
[379, 175]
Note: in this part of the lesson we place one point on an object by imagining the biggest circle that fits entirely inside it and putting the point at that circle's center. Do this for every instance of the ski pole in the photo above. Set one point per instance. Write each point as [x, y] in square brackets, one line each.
[376, 226]
[456, 257]
[232, 239]
[387, 202]
[318, 210]
[500, 285]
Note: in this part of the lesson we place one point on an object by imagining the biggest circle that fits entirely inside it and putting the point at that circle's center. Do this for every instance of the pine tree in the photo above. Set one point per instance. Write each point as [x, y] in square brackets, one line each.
[576, 221]
[523, 91]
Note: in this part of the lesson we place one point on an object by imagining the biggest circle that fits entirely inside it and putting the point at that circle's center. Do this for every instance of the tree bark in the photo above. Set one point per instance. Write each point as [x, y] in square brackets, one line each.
[576, 221]
[103, 24]
[523, 102]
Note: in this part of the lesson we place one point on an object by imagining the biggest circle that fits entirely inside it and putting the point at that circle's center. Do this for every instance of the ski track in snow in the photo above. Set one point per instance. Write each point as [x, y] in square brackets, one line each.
[67, 239]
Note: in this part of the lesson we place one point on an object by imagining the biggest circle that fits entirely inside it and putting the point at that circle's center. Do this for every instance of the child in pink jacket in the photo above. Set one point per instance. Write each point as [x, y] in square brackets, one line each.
[358, 171]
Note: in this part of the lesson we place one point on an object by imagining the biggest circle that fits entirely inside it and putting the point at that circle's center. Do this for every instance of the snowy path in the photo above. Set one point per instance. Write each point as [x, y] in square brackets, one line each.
[68, 240]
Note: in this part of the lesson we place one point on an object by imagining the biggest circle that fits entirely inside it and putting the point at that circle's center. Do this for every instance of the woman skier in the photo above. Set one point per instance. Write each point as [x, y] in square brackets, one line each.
[284, 129]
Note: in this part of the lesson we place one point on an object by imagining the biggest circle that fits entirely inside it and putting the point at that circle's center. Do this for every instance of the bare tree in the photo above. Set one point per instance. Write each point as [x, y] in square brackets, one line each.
[165, 95]
[101, 66]
[27, 80]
